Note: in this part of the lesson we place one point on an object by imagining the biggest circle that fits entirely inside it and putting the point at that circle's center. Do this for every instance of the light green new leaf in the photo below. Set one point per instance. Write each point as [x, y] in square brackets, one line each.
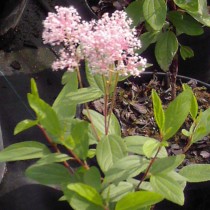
[184, 23]
[63, 105]
[49, 174]
[137, 200]
[109, 150]
[196, 172]
[166, 164]
[87, 192]
[176, 113]
[168, 187]
[154, 12]
[24, 125]
[53, 158]
[34, 90]
[186, 52]
[116, 192]
[158, 111]
[98, 121]
[45, 115]
[151, 146]
[202, 128]
[165, 49]
[190, 6]
[24, 151]
[146, 39]
[92, 177]
[127, 167]
[135, 11]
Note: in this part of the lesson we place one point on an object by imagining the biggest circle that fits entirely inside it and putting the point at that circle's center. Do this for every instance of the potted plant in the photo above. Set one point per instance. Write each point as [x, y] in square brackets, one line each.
[111, 171]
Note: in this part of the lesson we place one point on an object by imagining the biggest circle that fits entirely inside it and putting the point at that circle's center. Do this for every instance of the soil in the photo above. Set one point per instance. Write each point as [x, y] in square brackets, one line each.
[135, 114]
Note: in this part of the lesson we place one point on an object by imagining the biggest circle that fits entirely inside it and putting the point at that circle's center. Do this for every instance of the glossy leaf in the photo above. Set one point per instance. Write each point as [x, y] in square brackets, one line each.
[154, 12]
[135, 11]
[24, 151]
[49, 174]
[87, 192]
[184, 23]
[191, 6]
[165, 49]
[147, 38]
[168, 187]
[166, 164]
[180, 107]
[109, 150]
[158, 111]
[196, 172]
[137, 200]
[34, 89]
[186, 52]
[98, 121]
[127, 167]
[24, 125]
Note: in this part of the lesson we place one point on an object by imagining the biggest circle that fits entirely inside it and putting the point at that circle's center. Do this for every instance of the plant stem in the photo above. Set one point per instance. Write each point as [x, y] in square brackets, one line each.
[174, 72]
[148, 168]
[55, 148]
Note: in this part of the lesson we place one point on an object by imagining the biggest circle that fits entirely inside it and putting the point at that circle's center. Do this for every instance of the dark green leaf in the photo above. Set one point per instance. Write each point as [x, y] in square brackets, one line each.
[180, 107]
[191, 6]
[109, 150]
[137, 200]
[196, 172]
[184, 23]
[87, 192]
[154, 12]
[23, 151]
[24, 125]
[186, 52]
[165, 49]
[49, 174]
[168, 187]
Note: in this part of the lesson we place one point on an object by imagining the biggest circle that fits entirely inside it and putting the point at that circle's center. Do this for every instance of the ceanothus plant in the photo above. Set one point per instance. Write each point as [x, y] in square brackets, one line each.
[111, 181]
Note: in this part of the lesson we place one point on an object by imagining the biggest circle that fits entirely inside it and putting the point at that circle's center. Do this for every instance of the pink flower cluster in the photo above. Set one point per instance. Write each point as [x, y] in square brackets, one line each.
[108, 44]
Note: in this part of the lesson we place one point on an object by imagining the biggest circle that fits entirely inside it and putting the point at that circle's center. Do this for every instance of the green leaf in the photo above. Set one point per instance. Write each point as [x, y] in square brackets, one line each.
[24, 125]
[191, 6]
[165, 49]
[166, 164]
[83, 95]
[184, 23]
[23, 151]
[194, 103]
[92, 177]
[87, 192]
[109, 150]
[147, 38]
[154, 12]
[168, 187]
[127, 167]
[34, 90]
[196, 172]
[45, 114]
[49, 174]
[151, 146]
[158, 111]
[98, 121]
[53, 158]
[116, 192]
[63, 105]
[79, 134]
[137, 200]
[186, 52]
[135, 11]
[180, 106]
[202, 127]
